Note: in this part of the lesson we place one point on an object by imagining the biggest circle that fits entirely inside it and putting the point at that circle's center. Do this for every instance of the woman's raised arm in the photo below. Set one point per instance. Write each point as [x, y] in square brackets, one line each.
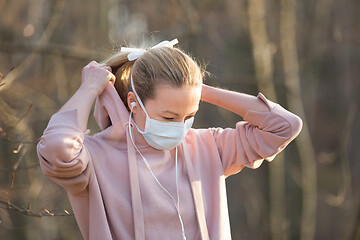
[61, 152]
[94, 78]
[238, 103]
[268, 128]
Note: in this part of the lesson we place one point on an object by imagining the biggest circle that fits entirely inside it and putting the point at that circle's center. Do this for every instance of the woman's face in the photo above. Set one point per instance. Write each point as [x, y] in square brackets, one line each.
[170, 104]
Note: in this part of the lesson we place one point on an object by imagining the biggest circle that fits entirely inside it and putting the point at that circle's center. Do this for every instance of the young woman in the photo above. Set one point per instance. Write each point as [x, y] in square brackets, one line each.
[148, 174]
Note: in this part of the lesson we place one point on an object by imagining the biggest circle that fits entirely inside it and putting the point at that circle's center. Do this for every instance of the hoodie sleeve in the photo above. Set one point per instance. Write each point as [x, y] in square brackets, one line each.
[261, 136]
[61, 152]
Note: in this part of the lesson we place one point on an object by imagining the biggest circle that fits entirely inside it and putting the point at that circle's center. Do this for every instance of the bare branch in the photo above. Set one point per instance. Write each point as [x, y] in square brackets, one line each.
[21, 141]
[35, 165]
[345, 191]
[23, 116]
[43, 212]
[5, 203]
[51, 48]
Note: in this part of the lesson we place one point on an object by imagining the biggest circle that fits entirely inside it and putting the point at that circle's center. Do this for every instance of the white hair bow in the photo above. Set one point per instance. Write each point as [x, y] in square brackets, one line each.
[135, 53]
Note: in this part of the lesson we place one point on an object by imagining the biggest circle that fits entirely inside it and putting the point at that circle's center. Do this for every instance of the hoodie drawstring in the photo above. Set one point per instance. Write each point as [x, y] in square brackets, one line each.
[197, 194]
[136, 203]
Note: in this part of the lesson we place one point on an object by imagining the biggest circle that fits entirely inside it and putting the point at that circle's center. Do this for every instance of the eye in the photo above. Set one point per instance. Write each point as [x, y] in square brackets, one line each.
[168, 119]
[188, 117]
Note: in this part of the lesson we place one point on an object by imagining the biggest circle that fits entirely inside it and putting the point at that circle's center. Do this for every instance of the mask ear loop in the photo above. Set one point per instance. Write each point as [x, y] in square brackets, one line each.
[137, 96]
[177, 203]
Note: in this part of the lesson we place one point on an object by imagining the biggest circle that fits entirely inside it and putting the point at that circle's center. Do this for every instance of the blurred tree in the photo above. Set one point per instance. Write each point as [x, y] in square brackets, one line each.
[294, 100]
[263, 51]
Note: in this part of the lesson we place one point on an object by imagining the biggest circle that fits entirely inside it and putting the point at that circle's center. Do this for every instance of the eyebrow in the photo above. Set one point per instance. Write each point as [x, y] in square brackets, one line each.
[193, 113]
[171, 113]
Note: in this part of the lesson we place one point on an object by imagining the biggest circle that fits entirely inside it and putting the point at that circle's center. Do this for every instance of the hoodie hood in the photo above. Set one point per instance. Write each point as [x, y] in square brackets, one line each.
[110, 110]
[112, 117]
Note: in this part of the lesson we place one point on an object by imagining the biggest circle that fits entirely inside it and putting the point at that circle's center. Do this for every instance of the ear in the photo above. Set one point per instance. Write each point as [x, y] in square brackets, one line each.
[131, 97]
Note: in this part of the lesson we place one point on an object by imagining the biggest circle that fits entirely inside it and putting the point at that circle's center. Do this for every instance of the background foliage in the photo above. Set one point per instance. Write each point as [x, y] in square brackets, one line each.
[301, 54]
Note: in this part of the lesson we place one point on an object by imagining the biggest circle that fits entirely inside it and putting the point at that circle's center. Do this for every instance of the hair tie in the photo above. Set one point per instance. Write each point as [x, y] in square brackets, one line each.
[135, 53]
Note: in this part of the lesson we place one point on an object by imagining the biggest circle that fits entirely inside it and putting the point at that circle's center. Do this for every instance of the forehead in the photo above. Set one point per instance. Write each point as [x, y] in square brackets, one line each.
[181, 100]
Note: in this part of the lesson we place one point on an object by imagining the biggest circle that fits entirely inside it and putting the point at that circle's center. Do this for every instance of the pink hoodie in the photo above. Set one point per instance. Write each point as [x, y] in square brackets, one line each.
[113, 194]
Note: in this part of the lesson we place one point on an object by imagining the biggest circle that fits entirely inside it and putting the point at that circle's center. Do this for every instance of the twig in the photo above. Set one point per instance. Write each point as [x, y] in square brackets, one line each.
[337, 200]
[35, 165]
[41, 213]
[20, 159]
[23, 116]
[53, 49]
[18, 140]
[1, 79]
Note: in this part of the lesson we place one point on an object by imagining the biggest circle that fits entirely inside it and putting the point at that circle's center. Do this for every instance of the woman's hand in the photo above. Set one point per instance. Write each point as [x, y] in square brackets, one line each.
[95, 77]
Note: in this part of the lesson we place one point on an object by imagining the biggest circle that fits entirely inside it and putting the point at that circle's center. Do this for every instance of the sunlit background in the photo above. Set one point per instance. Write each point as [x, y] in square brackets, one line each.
[301, 54]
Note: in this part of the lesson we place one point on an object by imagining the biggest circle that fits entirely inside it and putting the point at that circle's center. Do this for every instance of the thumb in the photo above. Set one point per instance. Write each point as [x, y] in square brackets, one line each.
[112, 78]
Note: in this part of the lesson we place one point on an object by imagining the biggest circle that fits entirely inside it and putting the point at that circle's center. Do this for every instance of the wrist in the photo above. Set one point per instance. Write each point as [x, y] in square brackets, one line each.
[204, 92]
[89, 91]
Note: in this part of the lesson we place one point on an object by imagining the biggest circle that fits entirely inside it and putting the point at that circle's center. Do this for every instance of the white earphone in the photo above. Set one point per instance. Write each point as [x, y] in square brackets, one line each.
[132, 104]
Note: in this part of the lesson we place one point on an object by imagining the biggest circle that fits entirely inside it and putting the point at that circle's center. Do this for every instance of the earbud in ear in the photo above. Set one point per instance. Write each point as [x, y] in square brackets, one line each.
[133, 104]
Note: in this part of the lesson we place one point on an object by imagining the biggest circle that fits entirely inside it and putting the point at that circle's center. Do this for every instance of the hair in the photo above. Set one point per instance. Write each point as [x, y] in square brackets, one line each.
[156, 65]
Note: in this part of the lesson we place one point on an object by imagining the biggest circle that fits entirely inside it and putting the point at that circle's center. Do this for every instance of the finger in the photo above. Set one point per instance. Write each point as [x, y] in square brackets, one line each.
[112, 78]
[104, 66]
[108, 68]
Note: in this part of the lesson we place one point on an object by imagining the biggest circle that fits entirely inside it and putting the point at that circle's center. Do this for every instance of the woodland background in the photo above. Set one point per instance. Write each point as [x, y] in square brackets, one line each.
[301, 54]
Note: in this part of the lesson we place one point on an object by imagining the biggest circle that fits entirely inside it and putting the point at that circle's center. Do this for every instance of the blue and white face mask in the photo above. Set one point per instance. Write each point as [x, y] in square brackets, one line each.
[162, 135]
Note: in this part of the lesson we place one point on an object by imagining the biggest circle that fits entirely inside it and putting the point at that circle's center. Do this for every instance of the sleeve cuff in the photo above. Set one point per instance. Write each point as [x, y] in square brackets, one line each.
[277, 115]
[257, 118]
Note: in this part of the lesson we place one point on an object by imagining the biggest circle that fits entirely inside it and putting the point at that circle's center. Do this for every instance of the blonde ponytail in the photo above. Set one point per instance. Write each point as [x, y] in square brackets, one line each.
[121, 68]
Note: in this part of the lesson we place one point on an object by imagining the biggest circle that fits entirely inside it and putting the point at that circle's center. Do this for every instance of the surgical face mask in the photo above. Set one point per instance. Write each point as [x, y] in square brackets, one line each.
[162, 135]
